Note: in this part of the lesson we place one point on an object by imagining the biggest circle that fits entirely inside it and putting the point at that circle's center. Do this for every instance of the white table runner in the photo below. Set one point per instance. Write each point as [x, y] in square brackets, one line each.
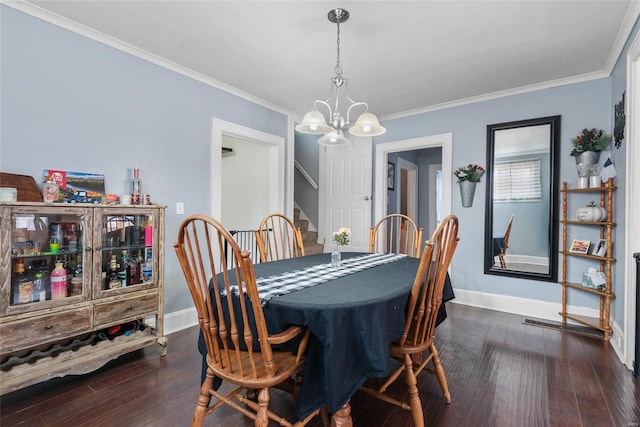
[282, 284]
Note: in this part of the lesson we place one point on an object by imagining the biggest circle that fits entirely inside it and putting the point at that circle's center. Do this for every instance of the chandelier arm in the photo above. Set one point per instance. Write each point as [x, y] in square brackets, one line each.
[325, 104]
[355, 104]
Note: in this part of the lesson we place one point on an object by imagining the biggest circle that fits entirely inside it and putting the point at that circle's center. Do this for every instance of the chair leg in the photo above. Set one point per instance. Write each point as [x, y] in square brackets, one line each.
[439, 370]
[414, 397]
[203, 400]
[503, 263]
[342, 418]
[262, 419]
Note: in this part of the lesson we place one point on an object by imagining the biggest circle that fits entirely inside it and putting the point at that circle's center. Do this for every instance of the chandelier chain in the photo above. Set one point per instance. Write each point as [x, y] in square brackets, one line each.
[338, 68]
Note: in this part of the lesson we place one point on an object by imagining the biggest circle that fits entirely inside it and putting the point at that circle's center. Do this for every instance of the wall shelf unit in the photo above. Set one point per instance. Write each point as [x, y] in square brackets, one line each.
[604, 231]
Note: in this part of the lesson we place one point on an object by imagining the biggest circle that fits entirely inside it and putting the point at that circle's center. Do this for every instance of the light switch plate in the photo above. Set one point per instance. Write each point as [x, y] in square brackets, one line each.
[180, 208]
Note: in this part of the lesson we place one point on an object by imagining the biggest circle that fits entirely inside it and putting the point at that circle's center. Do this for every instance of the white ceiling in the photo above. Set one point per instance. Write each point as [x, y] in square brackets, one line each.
[399, 55]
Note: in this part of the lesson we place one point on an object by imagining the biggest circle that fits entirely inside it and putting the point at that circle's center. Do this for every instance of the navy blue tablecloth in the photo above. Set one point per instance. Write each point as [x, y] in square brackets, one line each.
[353, 319]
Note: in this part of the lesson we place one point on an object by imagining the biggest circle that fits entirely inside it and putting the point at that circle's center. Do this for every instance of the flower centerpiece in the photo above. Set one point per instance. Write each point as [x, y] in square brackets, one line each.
[468, 176]
[470, 172]
[340, 238]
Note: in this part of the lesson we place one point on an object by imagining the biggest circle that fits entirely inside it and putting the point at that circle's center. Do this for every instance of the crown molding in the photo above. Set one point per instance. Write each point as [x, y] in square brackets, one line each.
[623, 35]
[83, 30]
[501, 94]
[625, 30]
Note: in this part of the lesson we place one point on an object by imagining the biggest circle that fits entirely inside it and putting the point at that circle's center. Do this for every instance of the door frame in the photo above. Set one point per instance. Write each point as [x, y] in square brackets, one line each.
[276, 146]
[632, 132]
[412, 187]
[443, 140]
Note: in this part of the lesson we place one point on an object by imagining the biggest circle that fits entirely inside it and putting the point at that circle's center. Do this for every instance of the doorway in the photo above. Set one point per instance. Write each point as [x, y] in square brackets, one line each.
[407, 200]
[445, 141]
[631, 335]
[249, 143]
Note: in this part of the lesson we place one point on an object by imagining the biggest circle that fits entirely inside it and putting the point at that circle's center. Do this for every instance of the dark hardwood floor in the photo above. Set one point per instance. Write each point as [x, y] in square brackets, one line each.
[501, 372]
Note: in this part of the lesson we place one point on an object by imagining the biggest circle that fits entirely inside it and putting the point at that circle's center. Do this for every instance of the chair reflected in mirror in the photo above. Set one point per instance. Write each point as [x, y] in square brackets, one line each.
[504, 244]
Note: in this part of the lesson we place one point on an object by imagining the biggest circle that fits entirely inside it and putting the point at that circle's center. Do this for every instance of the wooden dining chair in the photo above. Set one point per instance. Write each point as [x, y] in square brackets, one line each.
[505, 244]
[239, 347]
[416, 348]
[396, 233]
[278, 238]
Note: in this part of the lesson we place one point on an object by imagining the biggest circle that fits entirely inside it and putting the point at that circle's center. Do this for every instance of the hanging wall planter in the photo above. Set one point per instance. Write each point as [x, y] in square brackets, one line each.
[468, 177]
[467, 191]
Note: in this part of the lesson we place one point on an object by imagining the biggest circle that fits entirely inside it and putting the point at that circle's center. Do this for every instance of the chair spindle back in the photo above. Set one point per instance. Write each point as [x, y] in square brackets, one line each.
[278, 238]
[201, 252]
[426, 294]
[396, 233]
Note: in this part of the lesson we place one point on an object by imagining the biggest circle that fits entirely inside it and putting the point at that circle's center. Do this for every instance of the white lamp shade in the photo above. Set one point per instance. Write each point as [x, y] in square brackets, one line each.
[333, 139]
[314, 123]
[367, 125]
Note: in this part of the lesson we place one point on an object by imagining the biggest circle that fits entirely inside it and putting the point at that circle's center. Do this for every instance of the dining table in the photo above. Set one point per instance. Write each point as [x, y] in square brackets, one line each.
[354, 311]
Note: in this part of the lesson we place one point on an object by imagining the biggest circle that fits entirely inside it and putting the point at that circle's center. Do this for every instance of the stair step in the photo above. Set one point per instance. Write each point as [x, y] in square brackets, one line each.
[313, 248]
[302, 224]
[309, 238]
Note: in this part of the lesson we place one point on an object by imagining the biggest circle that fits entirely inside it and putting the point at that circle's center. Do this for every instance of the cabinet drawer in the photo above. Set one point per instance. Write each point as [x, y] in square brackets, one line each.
[30, 332]
[115, 311]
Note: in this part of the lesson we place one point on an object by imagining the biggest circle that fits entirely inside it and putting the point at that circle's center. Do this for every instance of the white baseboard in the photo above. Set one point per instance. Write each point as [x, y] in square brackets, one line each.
[179, 320]
[618, 344]
[515, 305]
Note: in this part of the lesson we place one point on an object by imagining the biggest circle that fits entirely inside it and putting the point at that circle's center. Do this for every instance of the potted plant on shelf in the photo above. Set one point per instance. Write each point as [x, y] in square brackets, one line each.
[468, 176]
[588, 145]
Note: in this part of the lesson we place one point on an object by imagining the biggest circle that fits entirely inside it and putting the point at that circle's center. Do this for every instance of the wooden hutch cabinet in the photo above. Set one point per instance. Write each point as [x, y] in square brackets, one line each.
[602, 230]
[62, 310]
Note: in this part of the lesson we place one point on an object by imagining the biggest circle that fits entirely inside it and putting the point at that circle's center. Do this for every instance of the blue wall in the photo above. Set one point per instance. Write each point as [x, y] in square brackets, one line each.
[71, 103]
[580, 105]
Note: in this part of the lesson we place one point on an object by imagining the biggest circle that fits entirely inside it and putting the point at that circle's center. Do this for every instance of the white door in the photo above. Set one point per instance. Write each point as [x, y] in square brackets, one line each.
[345, 196]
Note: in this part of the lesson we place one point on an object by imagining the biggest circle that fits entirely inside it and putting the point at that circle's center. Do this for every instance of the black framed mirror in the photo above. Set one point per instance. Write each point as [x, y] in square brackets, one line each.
[521, 218]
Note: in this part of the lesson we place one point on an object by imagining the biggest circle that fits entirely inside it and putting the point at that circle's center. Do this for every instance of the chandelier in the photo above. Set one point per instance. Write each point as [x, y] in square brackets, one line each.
[315, 123]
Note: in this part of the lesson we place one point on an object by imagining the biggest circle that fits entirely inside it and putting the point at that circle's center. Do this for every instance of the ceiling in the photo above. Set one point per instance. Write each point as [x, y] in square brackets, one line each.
[400, 56]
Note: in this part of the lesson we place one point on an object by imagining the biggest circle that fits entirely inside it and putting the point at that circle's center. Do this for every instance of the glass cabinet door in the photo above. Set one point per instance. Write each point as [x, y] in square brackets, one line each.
[127, 251]
[47, 257]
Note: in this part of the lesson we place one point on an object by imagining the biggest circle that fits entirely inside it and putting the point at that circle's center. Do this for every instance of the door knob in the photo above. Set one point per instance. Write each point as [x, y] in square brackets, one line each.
[366, 197]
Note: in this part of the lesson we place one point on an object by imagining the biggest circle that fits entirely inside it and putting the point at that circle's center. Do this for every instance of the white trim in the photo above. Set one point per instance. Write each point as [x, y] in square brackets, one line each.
[632, 14]
[276, 160]
[179, 320]
[618, 342]
[289, 168]
[444, 140]
[623, 35]
[412, 178]
[306, 175]
[499, 94]
[105, 39]
[535, 309]
[515, 305]
[632, 205]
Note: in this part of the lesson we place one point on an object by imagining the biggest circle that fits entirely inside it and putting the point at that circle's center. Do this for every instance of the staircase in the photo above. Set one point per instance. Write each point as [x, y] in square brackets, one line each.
[309, 238]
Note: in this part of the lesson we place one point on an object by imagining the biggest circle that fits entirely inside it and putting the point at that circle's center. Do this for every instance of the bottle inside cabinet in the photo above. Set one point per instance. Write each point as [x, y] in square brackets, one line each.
[38, 243]
[127, 241]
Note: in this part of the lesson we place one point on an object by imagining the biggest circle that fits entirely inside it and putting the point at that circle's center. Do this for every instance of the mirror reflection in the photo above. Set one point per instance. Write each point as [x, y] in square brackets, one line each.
[521, 203]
